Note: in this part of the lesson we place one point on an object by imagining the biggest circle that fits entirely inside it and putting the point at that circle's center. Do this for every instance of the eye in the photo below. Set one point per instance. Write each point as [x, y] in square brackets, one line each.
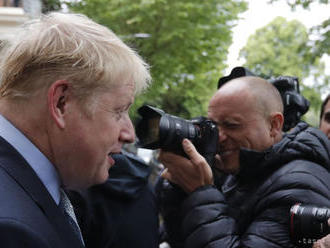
[119, 114]
[327, 117]
[230, 125]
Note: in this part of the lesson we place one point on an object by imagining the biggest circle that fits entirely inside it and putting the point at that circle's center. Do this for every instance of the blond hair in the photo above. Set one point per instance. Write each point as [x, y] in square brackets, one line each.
[71, 47]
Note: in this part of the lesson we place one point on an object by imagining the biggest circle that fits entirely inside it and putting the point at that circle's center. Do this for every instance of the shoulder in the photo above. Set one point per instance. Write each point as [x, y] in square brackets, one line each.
[300, 170]
[305, 142]
[297, 181]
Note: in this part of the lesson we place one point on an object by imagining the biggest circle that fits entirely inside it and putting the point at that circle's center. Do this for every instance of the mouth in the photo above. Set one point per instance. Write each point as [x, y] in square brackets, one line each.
[111, 161]
[110, 158]
[226, 152]
[113, 153]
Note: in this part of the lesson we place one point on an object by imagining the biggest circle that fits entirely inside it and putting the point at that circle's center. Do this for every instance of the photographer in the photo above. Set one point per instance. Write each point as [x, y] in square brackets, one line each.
[244, 200]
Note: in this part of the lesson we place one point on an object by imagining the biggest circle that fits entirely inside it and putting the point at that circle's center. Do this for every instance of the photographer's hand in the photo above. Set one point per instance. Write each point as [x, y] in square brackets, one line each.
[323, 242]
[189, 174]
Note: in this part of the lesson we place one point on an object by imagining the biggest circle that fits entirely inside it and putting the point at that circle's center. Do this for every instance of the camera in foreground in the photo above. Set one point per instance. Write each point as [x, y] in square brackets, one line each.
[308, 224]
[158, 129]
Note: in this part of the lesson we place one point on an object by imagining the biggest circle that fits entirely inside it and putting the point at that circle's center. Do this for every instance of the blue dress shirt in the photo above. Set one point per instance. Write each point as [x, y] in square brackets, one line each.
[35, 158]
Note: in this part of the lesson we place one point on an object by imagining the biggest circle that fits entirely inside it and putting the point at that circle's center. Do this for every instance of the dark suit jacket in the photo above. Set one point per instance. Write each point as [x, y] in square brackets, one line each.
[29, 217]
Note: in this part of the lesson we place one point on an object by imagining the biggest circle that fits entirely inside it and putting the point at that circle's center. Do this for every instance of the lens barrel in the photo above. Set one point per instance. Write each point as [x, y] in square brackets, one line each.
[308, 223]
[158, 129]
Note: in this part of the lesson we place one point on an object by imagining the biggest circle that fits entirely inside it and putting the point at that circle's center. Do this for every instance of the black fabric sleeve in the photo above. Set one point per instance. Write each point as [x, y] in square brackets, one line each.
[206, 222]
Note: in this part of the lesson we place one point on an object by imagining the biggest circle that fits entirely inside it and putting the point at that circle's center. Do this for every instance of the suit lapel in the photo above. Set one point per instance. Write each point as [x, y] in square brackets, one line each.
[17, 167]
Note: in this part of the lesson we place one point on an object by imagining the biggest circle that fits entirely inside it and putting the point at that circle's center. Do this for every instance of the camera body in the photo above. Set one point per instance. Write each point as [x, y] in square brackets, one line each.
[308, 223]
[295, 105]
[157, 129]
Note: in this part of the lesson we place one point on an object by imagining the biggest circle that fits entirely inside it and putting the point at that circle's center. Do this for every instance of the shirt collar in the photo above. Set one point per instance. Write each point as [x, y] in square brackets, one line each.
[35, 158]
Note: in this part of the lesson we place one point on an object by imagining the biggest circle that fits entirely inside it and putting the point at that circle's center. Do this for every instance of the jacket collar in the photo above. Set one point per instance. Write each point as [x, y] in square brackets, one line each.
[303, 142]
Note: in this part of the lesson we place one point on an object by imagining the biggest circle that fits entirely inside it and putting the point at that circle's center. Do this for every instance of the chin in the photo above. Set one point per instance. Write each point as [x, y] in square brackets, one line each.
[103, 177]
[90, 182]
[230, 168]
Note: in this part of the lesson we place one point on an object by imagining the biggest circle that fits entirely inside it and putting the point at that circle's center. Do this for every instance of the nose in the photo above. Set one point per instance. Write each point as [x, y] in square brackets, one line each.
[127, 133]
[222, 135]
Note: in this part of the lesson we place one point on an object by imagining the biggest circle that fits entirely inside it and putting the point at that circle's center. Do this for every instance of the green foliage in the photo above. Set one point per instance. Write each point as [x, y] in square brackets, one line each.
[51, 5]
[185, 42]
[283, 48]
[304, 3]
[322, 44]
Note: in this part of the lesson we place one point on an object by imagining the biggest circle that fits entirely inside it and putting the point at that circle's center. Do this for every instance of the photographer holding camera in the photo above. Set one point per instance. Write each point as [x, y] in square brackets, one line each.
[243, 200]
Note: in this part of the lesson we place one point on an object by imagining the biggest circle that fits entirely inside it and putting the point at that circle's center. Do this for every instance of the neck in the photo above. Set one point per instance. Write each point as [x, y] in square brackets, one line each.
[29, 120]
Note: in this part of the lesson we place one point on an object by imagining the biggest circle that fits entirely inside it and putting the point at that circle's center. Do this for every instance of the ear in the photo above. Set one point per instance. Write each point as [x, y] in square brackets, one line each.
[276, 122]
[57, 98]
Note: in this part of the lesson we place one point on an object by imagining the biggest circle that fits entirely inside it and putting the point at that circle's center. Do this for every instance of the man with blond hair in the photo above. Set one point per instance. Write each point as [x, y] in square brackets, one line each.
[66, 87]
[245, 199]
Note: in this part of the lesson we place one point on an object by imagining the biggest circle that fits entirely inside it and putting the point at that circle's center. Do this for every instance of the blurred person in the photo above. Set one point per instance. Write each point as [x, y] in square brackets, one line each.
[264, 173]
[66, 87]
[325, 116]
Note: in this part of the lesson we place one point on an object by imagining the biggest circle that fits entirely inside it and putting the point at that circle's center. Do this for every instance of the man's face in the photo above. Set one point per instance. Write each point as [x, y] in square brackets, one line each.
[325, 121]
[240, 125]
[89, 141]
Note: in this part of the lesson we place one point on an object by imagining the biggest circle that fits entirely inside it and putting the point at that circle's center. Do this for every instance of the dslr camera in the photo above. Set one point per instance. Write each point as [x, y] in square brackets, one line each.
[157, 129]
[308, 223]
[295, 105]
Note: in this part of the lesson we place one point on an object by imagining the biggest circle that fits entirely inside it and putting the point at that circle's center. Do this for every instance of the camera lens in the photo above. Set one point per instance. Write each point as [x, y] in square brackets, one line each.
[308, 223]
[174, 129]
[148, 132]
[160, 130]
[157, 129]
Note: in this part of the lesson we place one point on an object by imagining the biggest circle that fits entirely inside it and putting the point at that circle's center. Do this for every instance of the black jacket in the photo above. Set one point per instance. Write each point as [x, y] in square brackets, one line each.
[252, 208]
[122, 212]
